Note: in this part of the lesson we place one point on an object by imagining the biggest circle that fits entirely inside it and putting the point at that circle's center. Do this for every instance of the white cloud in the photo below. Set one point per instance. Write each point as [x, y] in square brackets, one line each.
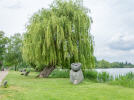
[16, 13]
[10, 4]
[122, 42]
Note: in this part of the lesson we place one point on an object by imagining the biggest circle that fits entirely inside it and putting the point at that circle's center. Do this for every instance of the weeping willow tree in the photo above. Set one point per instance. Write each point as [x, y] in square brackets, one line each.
[59, 36]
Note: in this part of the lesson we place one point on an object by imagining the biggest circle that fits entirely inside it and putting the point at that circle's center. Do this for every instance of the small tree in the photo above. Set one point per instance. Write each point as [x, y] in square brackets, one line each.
[13, 55]
[103, 64]
[3, 42]
[59, 36]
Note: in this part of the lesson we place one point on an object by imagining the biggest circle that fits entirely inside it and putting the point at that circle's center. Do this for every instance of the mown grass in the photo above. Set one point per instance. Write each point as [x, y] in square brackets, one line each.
[31, 88]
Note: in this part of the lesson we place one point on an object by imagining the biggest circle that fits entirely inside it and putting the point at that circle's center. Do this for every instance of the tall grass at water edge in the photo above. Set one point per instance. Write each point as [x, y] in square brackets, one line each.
[124, 80]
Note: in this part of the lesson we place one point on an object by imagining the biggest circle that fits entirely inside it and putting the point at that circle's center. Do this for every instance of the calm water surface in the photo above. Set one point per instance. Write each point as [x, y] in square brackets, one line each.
[115, 72]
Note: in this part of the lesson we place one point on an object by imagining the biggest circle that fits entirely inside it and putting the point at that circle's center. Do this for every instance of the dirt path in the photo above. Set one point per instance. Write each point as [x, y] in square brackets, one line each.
[2, 75]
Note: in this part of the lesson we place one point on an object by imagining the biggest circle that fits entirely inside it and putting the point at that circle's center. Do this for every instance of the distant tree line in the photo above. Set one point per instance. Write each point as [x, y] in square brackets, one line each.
[105, 64]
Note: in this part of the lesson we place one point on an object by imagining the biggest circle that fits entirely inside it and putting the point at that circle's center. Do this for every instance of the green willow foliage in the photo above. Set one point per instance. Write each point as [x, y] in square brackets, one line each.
[59, 36]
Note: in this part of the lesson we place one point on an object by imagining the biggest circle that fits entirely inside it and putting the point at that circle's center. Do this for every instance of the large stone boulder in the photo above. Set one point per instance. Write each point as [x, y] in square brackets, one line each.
[76, 75]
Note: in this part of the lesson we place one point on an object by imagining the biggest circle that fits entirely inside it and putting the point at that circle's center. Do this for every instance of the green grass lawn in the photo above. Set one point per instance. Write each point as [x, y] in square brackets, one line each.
[31, 88]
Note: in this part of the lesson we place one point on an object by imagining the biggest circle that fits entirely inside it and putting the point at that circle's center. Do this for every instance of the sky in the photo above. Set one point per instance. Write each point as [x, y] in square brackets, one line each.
[112, 28]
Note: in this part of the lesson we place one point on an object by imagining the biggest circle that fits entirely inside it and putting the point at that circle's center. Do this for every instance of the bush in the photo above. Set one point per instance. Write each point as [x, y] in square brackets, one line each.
[90, 74]
[60, 73]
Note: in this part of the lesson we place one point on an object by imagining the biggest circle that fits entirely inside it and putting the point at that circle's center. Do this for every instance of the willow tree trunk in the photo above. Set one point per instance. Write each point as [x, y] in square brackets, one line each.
[46, 71]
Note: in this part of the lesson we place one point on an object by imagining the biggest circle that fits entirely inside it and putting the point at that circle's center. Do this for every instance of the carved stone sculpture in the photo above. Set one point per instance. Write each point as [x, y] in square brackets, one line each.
[76, 75]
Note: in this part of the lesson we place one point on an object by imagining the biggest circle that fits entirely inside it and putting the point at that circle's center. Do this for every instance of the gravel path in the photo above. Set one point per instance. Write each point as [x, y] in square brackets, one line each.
[3, 75]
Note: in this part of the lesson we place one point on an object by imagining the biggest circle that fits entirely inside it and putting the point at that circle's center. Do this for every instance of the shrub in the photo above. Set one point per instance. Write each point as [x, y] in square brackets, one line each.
[90, 74]
[60, 73]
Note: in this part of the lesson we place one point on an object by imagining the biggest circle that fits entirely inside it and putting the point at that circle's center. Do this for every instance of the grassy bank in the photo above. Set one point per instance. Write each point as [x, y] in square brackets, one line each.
[31, 88]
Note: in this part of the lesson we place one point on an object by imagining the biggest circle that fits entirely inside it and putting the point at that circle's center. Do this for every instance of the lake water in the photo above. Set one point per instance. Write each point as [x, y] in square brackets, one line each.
[115, 72]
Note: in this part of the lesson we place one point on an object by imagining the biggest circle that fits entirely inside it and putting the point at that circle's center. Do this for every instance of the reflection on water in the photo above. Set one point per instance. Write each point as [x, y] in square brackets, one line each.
[115, 72]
